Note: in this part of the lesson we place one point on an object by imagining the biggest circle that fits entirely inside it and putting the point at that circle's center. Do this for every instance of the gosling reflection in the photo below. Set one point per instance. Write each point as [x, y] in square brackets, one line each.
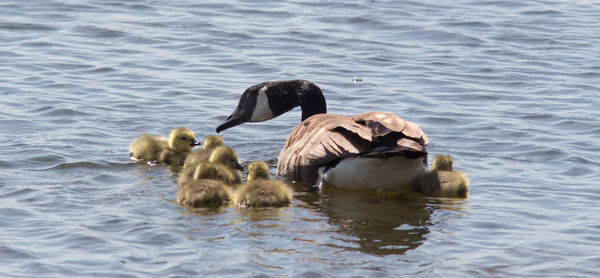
[378, 223]
[261, 214]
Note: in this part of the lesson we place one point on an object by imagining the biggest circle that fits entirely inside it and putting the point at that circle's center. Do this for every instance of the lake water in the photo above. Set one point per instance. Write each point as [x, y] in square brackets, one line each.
[510, 88]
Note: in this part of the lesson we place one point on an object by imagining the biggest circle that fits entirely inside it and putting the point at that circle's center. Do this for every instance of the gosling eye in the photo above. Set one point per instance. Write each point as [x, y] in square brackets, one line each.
[183, 138]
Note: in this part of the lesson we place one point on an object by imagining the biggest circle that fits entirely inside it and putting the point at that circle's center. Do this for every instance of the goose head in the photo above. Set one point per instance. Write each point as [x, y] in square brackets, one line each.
[258, 170]
[268, 100]
[182, 139]
[442, 163]
[225, 156]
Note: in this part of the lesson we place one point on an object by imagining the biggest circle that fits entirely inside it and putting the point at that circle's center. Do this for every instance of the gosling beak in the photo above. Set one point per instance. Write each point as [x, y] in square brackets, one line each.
[195, 143]
[239, 167]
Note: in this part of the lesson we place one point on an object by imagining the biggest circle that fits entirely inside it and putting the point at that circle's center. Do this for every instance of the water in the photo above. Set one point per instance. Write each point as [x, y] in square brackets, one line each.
[509, 88]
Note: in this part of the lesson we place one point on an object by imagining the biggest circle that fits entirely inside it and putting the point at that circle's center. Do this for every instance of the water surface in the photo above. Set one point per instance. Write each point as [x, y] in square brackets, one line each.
[509, 88]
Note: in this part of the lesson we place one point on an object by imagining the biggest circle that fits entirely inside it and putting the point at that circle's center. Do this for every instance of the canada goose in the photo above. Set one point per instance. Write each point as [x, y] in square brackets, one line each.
[197, 156]
[226, 163]
[259, 191]
[155, 148]
[442, 180]
[373, 150]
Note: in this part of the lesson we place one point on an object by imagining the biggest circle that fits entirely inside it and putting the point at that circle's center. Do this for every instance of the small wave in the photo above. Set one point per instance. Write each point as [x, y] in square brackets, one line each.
[40, 44]
[542, 12]
[99, 32]
[470, 24]
[87, 165]
[356, 20]
[17, 193]
[53, 111]
[102, 70]
[26, 27]
[16, 255]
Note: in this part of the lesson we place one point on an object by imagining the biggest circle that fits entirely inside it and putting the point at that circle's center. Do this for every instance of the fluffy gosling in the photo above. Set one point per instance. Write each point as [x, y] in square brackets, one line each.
[147, 147]
[211, 142]
[181, 142]
[205, 189]
[170, 151]
[260, 191]
[225, 159]
[442, 180]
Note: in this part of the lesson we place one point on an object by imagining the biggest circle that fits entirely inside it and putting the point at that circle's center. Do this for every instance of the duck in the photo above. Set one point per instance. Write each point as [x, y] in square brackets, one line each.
[372, 150]
[260, 191]
[225, 160]
[210, 143]
[442, 180]
[173, 150]
[205, 189]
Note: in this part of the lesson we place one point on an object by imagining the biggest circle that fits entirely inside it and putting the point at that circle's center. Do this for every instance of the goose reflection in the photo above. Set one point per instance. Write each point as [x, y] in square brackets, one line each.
[378, 223]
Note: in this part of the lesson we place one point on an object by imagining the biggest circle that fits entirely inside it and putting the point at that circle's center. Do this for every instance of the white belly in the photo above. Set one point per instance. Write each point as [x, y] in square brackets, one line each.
[395, 173]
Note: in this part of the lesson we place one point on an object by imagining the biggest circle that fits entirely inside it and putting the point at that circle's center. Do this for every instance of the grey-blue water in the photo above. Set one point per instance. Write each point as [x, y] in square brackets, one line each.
[510, 88]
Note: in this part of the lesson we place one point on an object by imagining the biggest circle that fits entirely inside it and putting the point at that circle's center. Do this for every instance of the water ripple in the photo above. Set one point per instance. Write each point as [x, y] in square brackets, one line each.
[509, 88]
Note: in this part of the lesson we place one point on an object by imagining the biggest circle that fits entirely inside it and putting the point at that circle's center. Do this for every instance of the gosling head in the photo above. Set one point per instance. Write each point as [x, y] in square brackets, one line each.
[213, 141]
[258, 171]
[442, 162]
[225, 156]
[182, 139]
[206, 171]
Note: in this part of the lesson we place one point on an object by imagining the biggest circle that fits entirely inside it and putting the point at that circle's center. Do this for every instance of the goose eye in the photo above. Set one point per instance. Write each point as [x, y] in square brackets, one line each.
[183, 138]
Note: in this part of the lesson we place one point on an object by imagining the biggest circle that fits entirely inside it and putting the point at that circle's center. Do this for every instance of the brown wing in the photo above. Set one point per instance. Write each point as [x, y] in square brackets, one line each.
[325, 138]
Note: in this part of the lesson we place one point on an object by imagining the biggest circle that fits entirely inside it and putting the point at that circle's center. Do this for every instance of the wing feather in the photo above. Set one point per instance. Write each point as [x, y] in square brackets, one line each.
[325, 138]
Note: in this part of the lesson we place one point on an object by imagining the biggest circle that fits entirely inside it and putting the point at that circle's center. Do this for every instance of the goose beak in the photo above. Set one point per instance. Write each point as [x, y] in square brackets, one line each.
[231, 121]
[195, 143]
[239, 167]
[241, 114]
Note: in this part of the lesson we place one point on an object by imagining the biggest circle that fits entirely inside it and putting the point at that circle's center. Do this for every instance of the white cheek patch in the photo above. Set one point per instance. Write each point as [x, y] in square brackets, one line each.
[261, 112]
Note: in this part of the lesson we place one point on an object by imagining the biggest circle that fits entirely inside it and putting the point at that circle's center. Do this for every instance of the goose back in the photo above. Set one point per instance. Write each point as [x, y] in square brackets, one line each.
[324, 139]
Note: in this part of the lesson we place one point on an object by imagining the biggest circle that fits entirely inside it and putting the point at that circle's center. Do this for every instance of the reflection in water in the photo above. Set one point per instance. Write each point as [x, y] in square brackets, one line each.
[257, 214]
[383, 223]
[205, 211]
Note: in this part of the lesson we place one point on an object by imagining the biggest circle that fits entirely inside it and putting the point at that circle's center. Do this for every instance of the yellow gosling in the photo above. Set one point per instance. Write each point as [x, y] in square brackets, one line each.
[203, 192]
[260, 191]
[217, 172]
[442, 180]
[156, 148]
[205, 189]
[181, 142]
[147, 147]
[225, 160]
[211, 142]
[442, 162]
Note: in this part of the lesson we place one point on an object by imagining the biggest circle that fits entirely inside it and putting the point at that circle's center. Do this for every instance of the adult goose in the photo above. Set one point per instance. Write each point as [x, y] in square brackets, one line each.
[373, 150]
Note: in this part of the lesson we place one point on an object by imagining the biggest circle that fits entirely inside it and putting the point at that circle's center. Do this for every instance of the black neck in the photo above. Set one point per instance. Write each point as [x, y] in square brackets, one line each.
[285, 95]
[312, 101]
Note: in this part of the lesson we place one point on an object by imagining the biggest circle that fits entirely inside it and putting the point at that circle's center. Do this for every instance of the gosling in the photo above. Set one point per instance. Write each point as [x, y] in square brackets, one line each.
[147, 147]
[181, 142]
[211, 142]
[225, 159]
[204, 189]
[442, 180]
[260, 191]
[171, 151]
